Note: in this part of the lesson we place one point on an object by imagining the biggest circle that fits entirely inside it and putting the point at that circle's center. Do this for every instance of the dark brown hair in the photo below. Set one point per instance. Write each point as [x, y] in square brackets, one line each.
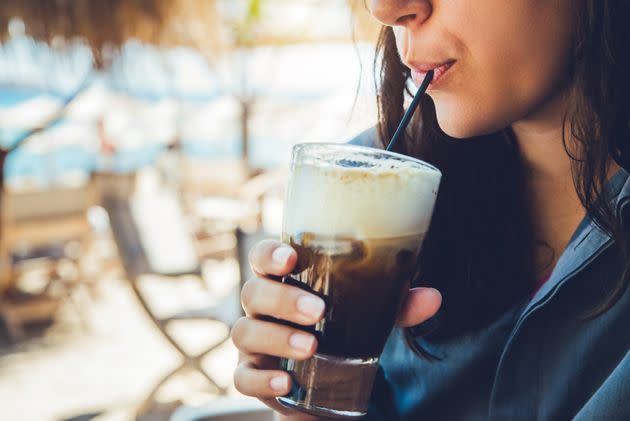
[479, 250]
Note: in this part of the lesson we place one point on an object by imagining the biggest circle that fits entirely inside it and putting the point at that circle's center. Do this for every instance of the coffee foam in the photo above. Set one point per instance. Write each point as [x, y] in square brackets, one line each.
[364, 198]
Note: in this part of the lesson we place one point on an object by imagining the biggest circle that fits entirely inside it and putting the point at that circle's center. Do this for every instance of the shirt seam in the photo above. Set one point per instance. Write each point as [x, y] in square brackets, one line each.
[539, 383]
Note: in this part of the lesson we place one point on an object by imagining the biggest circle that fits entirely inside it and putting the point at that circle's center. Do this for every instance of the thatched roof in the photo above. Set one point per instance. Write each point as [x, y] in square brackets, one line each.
[109, 23]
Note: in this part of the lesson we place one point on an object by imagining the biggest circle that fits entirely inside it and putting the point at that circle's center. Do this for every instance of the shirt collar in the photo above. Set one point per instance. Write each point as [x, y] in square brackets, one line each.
[620, 183]
[588, 242]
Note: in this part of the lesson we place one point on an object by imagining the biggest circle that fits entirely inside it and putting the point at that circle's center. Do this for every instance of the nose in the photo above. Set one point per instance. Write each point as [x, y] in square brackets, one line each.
[407, 13]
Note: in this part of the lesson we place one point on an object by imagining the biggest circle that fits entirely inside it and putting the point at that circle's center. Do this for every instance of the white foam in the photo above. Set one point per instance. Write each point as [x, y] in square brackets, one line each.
[379, 199]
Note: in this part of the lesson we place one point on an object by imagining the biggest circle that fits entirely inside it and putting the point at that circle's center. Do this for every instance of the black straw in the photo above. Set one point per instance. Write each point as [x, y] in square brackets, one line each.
[412, 108]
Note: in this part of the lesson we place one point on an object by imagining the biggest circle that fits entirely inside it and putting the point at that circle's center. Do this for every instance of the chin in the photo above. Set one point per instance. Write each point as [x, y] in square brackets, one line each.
[456, 127]
[456, 131]
[459, 124]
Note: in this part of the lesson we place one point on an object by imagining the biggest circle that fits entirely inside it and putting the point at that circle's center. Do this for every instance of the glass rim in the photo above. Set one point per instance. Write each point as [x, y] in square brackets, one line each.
[369, 149]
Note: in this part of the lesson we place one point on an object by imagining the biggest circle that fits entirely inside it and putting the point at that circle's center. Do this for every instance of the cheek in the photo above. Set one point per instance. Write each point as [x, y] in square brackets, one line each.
[509, 70]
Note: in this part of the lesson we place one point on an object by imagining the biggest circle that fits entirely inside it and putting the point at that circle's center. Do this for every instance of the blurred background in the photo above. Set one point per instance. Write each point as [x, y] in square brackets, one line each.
[144, 148]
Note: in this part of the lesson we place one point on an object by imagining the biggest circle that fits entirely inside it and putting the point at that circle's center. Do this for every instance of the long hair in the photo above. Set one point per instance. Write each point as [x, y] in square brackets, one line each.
[479, 250]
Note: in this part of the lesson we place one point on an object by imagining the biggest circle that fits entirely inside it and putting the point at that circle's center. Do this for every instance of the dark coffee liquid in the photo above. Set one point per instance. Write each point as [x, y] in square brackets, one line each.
[362, 283]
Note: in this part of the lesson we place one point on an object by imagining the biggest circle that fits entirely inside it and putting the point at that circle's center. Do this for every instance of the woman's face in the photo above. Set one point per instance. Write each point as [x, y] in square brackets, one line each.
[497, 61]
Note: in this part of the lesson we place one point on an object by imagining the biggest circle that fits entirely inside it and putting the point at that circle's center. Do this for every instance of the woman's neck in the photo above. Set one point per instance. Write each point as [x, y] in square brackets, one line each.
[545, 152]
[555, 207]
[540, 140]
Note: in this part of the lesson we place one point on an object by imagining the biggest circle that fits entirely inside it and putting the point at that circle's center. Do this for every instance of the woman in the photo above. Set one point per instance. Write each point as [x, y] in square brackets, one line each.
[520, 309]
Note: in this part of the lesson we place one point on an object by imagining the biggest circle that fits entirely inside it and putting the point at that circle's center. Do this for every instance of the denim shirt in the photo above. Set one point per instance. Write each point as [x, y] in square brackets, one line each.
[538, 361]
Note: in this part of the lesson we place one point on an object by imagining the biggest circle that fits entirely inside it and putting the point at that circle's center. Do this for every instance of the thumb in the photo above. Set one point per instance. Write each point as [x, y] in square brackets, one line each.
[421, 304]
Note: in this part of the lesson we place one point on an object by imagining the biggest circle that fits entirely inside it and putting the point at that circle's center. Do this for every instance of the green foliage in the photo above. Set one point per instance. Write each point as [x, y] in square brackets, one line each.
[245, 28]
[254, 10]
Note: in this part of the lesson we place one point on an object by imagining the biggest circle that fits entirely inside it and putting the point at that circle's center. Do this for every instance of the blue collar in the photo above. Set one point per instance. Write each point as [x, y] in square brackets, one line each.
[588, 242]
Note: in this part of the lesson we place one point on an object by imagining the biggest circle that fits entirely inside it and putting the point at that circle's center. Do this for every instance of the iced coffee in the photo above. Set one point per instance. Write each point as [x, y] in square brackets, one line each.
[357, 217]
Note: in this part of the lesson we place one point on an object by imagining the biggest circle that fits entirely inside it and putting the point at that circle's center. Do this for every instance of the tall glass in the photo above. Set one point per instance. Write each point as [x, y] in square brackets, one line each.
[357, 217]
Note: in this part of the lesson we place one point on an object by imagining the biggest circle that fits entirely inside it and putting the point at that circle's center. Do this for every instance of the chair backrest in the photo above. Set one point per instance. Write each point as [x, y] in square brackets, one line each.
[150, 234]
[164, 233]
[39, 218]
[126, 237]
[50, 203]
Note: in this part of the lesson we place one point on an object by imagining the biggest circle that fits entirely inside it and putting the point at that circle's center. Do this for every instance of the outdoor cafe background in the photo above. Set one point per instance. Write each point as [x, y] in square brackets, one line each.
[144, 147]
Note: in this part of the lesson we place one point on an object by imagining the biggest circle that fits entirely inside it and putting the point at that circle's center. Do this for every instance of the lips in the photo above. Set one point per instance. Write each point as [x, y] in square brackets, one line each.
[419, 72]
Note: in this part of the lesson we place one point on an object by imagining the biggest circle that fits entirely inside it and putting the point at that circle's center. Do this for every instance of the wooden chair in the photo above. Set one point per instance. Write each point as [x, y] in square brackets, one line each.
[152, 239]
[34, 219]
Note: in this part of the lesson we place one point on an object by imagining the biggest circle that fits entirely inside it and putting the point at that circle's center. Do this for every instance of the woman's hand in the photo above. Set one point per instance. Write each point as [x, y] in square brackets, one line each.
[261, 343]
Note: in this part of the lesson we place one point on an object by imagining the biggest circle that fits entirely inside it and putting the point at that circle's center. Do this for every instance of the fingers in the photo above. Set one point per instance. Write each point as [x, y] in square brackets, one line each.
[421, 304]
[270, 257]
[252, 380]
[263, 297]
[253, 336]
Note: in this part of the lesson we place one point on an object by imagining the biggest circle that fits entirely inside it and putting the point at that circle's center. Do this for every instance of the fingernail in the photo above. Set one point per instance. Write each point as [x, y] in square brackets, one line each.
[301, 342]
[281, 255]
[310, 306]
[279, 384]
[435, 293]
